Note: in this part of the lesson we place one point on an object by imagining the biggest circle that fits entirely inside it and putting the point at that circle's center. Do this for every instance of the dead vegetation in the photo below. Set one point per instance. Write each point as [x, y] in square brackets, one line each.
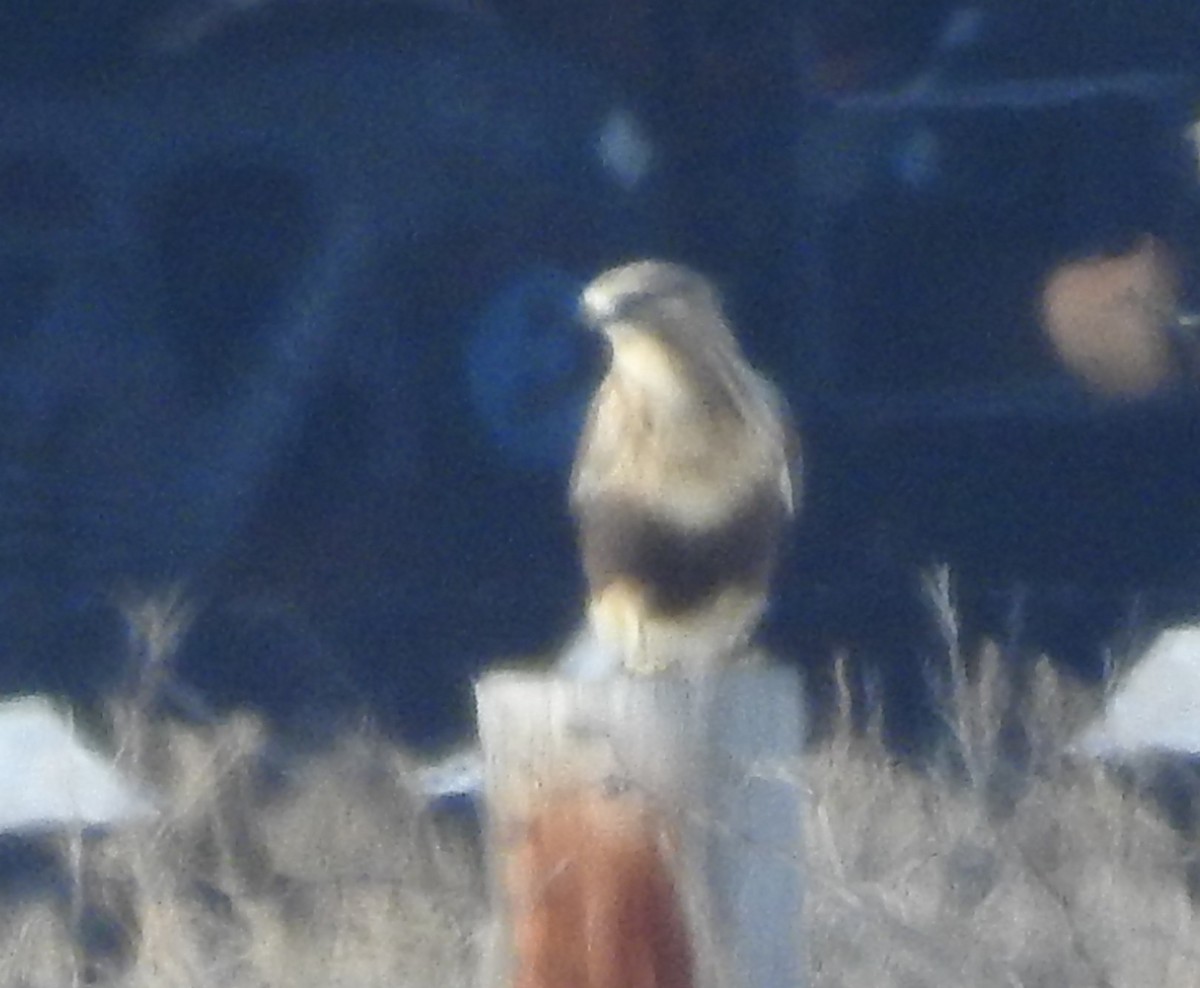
[1006, 863]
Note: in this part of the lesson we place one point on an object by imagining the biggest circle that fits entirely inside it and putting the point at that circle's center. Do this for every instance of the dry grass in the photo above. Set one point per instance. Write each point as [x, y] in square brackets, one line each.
[325, 870]
[1009, 864]
[1058, 875]
[323, 873]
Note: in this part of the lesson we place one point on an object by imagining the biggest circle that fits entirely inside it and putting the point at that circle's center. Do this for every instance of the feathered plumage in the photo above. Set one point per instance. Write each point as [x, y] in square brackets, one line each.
[685, 477]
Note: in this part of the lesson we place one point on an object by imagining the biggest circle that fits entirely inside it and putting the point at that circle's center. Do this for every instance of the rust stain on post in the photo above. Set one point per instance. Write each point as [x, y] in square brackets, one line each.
[591, 897]
[640, 831]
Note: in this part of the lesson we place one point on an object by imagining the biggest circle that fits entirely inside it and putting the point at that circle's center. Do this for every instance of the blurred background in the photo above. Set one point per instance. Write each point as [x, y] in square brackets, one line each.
[287, 289]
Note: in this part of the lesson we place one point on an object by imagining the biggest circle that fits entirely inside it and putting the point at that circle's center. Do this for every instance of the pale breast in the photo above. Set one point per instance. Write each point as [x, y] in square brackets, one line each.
[690, 465]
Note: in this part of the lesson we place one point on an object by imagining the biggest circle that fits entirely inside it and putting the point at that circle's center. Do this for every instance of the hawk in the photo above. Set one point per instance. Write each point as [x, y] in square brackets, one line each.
[685, 476]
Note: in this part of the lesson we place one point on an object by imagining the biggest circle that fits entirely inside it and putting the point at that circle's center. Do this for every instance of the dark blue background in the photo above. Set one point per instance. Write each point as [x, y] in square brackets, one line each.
[172, 177]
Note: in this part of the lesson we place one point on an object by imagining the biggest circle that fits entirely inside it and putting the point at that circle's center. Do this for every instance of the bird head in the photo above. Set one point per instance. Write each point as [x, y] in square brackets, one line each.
[655, 296]
[662, 321]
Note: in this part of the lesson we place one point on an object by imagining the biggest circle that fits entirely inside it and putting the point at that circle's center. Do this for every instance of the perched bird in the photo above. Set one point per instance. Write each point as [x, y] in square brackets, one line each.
[684, 479]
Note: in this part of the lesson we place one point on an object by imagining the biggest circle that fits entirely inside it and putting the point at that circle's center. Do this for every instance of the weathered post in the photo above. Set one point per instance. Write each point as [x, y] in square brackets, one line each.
[644, 832]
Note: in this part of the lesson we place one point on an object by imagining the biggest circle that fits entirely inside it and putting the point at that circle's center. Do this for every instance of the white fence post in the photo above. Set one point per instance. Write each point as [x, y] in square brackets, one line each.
[645, 832]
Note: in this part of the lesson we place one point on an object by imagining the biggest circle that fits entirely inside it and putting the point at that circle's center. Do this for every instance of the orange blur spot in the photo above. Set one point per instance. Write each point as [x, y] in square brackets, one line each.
[1107, 319]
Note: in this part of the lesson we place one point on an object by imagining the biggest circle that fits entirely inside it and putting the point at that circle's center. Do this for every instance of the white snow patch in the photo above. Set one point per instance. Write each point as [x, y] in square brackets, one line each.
[1157, 707]
[50, 778]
